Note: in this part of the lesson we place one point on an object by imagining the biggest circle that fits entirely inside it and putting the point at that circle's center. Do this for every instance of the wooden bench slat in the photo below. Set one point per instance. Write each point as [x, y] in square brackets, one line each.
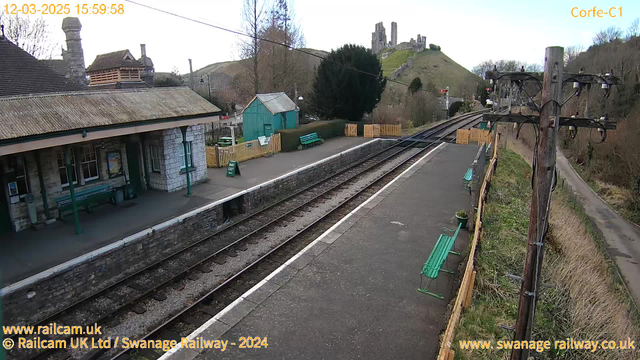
[468, 175]
[84, 199]
[439, 254]
[310, 139]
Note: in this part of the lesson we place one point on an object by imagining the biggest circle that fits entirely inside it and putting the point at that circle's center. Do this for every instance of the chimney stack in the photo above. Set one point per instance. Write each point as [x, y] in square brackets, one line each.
[143, 50]
[74, 54]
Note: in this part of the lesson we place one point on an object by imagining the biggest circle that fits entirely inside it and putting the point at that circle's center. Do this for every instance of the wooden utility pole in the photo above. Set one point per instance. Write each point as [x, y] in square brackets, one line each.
[543, 178]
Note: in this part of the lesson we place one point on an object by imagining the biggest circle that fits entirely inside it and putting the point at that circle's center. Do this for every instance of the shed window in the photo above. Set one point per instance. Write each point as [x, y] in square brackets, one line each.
[62, 169]
[189, 155]
[156, 157]
[89, 163]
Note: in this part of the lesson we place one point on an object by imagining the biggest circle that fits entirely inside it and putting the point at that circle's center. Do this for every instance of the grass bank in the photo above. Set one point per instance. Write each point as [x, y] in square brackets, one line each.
[619, 198]
[582, 299]
[395, 60]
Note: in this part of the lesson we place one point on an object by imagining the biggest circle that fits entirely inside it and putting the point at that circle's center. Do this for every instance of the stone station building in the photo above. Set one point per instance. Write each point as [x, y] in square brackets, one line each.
[113, 143]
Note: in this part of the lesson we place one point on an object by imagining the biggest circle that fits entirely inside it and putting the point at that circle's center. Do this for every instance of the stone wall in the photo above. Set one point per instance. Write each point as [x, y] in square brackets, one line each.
[285, 186]
[175, 174]
[41, 295]
[171, 176]
[61, 288]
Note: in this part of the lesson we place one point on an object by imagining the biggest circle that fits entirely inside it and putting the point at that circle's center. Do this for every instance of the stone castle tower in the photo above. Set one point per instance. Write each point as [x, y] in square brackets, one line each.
[394, 34]
[74, 56]
[378, 39]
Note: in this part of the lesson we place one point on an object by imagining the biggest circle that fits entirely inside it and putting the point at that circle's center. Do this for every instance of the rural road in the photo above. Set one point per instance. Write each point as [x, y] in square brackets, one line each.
[622, 237]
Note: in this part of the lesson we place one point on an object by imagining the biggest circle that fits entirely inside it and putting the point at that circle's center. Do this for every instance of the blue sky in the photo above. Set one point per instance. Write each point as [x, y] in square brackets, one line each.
[468, 31]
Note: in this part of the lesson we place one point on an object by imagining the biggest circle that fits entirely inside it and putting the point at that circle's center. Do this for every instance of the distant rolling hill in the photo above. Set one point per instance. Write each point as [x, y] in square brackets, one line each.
[429, 65]
[221, 74]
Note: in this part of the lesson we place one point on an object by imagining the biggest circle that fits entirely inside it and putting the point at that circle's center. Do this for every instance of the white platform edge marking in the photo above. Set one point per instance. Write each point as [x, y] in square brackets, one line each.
[242, 297]
[141, 234]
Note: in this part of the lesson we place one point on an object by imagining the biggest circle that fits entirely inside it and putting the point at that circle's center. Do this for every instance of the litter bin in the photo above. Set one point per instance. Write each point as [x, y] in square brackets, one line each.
[31, 208]
[119, 195]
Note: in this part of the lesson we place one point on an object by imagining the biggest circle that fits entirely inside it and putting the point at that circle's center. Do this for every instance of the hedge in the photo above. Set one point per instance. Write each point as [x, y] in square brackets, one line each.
[290, 138]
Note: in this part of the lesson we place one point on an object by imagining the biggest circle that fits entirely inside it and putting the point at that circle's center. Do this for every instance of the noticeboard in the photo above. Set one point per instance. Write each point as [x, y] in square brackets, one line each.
[263, 140]
[233, 168]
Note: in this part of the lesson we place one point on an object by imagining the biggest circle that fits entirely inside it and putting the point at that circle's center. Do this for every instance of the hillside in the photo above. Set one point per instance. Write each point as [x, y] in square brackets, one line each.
[223, 76]
[434, 66]
[611, 168]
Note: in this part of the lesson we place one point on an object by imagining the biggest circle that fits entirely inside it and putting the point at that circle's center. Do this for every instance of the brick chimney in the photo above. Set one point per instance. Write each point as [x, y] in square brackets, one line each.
[147, 74]
[74, 56]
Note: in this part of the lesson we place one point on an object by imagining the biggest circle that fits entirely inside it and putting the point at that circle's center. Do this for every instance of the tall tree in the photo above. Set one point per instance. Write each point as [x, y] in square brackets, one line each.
[634, 29]
[415, 86]
[348, 83]
[607, 35]
[30, 34]
[252, 22]
[282, 68]
[571, 53]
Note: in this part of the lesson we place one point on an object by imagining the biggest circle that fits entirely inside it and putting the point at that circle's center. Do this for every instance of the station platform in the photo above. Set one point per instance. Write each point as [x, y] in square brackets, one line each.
[352, 293]
[30, 252]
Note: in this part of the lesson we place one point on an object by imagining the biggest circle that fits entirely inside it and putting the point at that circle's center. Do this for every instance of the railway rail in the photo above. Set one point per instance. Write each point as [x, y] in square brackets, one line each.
[226, 243]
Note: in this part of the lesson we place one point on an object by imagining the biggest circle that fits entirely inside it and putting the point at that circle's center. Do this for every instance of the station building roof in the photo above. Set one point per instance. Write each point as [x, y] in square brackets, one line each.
[37, 116]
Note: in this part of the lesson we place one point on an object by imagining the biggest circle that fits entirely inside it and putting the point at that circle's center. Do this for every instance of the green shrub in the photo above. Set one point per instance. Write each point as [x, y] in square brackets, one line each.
[290, 138]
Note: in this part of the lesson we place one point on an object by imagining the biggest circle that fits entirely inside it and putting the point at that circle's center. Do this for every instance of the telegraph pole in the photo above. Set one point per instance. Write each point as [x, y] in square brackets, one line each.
[191, 83]
[544, 164]
[543, 176]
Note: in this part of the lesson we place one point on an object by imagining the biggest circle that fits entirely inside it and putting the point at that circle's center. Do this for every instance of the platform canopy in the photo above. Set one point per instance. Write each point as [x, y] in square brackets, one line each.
[29, 122]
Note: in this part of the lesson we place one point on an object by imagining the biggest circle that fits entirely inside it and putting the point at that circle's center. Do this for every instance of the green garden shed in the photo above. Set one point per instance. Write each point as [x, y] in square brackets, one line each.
[267, 113]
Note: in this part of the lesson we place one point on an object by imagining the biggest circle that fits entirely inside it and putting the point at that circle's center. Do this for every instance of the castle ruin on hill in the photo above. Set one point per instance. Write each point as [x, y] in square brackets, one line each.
[379, 40]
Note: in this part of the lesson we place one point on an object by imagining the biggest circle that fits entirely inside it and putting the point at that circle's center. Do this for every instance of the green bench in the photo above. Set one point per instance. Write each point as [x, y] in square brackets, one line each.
[310, 139]
[466, 180]
[85, 199]
[437, 258]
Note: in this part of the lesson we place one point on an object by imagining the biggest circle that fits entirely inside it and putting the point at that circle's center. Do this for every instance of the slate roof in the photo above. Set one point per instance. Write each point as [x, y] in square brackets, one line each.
[21, 73]
[276, 102]
[146, 61]
[60, 66]
[113, 60]
[24, 116]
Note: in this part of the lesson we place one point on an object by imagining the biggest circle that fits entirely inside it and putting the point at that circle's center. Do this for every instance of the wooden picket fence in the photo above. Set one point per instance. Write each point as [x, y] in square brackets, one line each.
[465, 292]
[390, 130]
[351, 130]
[372, 130]
[464, 136]
[242, 152]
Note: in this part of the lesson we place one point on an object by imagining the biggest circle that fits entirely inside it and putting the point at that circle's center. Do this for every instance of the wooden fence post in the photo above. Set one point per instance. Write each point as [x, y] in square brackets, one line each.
[469, 295]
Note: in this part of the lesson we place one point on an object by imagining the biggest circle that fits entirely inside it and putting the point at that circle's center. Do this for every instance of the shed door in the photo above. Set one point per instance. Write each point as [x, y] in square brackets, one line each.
[268, 130]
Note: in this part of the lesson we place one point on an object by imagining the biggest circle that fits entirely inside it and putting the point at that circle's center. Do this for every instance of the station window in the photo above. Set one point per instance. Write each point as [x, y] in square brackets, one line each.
[156, 157]
[89, 163]
[21, 176]
[62, 169]
[189, 155]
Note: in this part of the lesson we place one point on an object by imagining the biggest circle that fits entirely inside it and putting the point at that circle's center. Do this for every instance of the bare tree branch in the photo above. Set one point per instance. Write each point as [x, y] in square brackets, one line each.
[31, 35]
[634, 29]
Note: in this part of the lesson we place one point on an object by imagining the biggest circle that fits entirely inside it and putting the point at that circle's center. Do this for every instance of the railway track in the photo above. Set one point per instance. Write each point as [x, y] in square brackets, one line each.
[248, 239]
